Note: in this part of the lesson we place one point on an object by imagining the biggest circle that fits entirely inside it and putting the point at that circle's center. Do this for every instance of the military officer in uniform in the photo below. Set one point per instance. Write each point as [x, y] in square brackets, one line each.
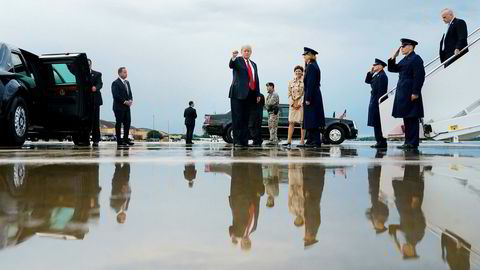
[408, 102]
[314, 117]
[378, 81]
[271, 104]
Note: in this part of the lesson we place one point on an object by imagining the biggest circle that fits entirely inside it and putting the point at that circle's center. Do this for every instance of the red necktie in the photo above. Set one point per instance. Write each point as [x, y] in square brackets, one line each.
[251, 80]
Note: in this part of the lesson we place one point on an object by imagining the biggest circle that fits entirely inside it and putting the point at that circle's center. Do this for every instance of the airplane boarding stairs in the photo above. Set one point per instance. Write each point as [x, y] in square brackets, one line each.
[451, 99]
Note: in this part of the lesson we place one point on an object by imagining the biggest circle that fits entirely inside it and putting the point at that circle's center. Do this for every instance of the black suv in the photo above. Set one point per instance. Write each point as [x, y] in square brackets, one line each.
[336, 130]
[43, 97]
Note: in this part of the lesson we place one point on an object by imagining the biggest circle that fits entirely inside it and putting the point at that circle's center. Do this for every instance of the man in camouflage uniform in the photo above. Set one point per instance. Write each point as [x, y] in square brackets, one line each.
[271, 104]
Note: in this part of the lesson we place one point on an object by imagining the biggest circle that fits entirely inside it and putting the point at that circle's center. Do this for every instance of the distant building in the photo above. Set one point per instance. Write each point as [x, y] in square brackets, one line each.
[107, 128]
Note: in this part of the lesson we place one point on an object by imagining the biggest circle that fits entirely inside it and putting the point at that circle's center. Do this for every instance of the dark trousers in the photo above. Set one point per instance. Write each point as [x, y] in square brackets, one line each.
[240, 117]
[122, 117]
[96, 124]
[313, 136]
[412, 131]
[189, 134]
[379, 135]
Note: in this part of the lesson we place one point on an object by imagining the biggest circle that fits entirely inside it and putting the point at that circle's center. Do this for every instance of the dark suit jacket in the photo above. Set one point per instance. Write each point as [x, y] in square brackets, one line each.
[119, 93]
[190, 115]
[456, 38]
[239, 88]
[379, 85]
[97, 82]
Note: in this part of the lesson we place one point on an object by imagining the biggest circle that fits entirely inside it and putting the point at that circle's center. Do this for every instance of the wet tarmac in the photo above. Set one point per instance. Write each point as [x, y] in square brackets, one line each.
[167, 206]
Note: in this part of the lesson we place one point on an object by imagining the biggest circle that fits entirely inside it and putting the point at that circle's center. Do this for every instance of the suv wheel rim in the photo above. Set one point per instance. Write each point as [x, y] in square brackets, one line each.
[335, 135]
[20, 121]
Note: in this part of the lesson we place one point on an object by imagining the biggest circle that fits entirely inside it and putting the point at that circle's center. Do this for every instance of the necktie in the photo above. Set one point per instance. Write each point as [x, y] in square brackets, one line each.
[251, 80]
[126, 86]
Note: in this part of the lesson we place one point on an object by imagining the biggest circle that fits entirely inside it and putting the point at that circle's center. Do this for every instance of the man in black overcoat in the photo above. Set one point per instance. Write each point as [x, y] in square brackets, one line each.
[314, 116]
[97, 84]
[244, 93]
[408, 102]
[378, 81]
[122, 101]
[454, 39]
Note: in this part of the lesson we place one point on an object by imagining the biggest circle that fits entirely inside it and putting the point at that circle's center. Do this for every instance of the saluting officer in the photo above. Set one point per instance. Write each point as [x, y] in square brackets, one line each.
[314, 117]
[408, 97]
[378, 81]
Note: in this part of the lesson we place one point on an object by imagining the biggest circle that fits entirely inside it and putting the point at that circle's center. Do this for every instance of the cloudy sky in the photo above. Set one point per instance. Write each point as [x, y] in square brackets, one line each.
[178, 50]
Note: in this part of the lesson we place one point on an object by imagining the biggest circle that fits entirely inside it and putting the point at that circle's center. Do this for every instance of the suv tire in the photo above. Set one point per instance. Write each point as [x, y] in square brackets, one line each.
[16, 124]
[228, 136]
[334, 135]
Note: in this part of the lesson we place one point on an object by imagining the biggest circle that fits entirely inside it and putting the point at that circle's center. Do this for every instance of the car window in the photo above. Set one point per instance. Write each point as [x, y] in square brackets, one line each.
[63, 75]
[265, 113]
[18, 65]
[283, 111]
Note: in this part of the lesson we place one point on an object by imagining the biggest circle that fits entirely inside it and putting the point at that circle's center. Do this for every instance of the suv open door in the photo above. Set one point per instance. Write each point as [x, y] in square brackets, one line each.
[67, 96]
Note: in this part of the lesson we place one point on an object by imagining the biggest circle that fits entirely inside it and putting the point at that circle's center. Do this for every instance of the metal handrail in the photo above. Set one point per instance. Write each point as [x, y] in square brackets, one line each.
[384, 97]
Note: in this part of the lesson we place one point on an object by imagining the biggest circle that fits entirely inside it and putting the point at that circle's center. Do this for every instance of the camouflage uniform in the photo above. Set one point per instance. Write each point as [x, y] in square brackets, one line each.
[272, 103]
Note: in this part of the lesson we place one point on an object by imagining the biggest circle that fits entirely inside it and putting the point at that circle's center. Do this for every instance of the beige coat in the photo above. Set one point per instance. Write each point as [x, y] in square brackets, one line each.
[295, 98]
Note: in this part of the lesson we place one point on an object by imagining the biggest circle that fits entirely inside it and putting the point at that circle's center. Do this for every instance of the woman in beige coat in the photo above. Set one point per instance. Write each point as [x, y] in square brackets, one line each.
[295, 102]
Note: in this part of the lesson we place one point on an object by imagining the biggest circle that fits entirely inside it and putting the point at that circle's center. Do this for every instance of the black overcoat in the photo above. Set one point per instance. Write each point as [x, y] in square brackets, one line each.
[313, 114]
[410, 82]
[379, 85]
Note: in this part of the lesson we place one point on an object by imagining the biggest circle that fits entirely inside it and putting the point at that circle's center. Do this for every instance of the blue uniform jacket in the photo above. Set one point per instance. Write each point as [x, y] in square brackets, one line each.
[410, 82]
[379, 85]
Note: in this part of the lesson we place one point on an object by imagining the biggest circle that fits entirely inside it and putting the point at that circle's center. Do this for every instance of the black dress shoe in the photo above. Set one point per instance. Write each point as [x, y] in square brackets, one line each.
[380, 146]
[121, 144]
[407, 147]
[128, 142]
[95, 144]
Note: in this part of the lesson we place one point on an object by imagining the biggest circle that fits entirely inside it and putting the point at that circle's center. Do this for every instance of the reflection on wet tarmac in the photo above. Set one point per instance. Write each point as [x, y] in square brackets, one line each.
[56, 201]
[385, 214]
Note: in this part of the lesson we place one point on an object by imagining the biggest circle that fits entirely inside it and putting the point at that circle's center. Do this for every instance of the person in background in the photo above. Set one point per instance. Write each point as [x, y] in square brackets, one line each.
[454, 39]
[190, 115]
[378, 81]
[255, 121]
[122, 101]
[295, 102]
[272, 104]
[97, 85]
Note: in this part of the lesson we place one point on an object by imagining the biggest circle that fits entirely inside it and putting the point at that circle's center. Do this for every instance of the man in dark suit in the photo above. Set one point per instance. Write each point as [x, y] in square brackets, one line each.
[244, 93]
[97, 84]
[122, 101]
[378, 81]
[454, 39]
[314, 116]
[190, 115]
[408, 102]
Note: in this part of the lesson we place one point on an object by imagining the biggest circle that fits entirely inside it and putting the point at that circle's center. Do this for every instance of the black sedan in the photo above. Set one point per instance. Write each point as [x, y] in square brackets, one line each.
[335, 132]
